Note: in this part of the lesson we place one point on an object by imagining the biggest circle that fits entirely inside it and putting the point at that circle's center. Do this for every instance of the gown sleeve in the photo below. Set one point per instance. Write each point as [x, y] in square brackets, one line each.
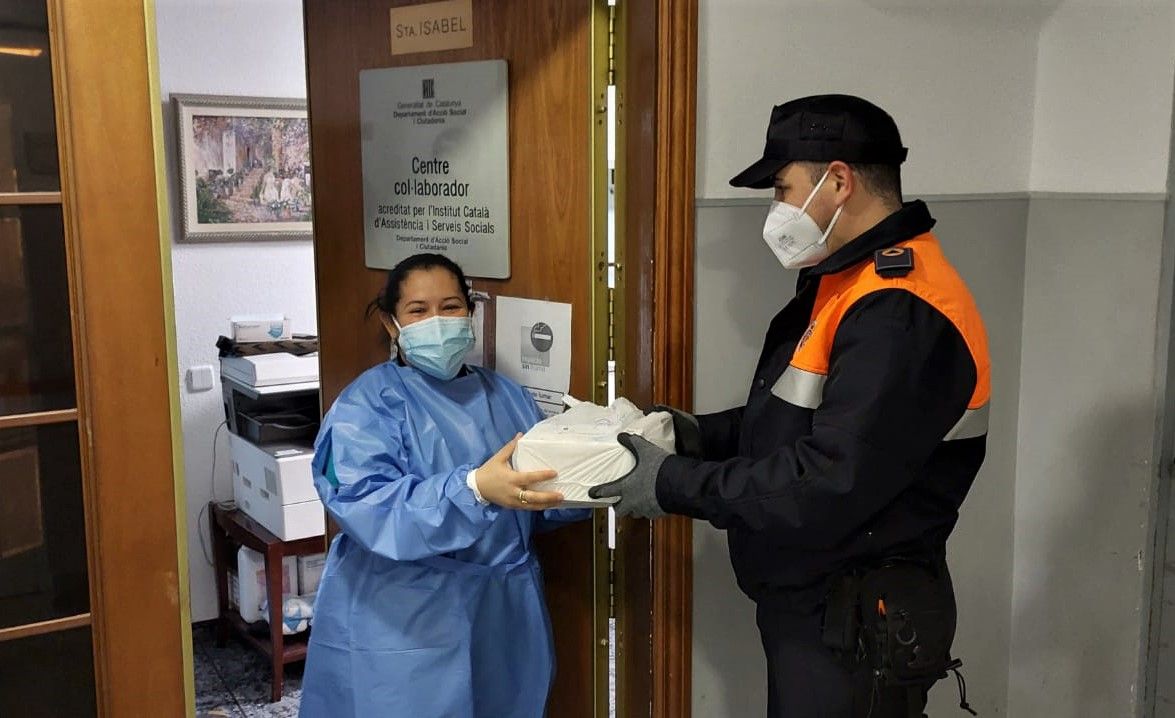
[359, 473]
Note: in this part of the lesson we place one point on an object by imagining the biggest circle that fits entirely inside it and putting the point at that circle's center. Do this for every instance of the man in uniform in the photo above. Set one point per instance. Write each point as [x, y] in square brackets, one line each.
[841, 477]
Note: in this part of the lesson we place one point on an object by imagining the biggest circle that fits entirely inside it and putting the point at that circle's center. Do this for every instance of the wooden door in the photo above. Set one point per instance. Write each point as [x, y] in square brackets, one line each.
[548, 46]
[92, 592]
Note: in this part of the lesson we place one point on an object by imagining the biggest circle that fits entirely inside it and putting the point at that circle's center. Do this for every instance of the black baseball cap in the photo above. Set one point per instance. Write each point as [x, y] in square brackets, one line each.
[825, 128]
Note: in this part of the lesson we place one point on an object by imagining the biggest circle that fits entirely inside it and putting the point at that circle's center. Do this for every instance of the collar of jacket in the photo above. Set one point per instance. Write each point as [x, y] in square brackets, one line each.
[908, 222]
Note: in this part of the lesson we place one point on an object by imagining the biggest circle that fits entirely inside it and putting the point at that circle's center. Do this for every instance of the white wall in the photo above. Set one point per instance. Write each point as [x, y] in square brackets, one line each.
[226, 47]
[1103, 100]
[998, 96]
[956, 76]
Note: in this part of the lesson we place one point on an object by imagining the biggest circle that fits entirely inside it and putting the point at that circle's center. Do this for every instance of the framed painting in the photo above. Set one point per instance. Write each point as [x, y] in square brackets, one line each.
[244, 167]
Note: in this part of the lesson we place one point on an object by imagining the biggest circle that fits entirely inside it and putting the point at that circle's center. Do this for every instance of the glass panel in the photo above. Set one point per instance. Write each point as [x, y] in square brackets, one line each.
[48, 676]
[28, 136]
[43, 569]
[36, 345]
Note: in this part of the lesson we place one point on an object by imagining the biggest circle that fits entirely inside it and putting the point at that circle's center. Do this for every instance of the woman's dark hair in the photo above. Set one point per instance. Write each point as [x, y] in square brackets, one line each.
[389, 296]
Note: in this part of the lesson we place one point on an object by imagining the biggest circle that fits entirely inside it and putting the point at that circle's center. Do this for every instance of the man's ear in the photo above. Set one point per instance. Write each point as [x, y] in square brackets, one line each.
[844, 182]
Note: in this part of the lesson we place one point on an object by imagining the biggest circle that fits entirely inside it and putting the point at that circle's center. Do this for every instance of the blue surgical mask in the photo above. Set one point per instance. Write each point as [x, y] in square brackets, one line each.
[438, 345]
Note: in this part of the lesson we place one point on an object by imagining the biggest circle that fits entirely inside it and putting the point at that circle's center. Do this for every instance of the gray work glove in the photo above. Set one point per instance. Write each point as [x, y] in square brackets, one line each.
[686, 432]
[637, 489]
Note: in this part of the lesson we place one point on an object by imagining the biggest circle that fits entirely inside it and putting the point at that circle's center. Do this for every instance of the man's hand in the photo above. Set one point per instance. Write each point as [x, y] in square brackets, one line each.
[686, 432]
[637, 489]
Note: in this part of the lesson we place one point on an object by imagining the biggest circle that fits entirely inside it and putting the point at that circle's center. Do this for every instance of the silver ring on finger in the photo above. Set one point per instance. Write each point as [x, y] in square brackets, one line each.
[522, 496]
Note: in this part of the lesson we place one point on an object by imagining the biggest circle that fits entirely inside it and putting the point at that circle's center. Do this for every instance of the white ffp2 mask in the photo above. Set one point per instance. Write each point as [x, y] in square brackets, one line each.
[794, 237]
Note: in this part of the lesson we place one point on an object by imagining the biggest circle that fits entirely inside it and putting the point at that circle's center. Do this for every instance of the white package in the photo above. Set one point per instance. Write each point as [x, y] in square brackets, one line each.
[310, 573]
[580, 444]
[260, 328]
[251, 595]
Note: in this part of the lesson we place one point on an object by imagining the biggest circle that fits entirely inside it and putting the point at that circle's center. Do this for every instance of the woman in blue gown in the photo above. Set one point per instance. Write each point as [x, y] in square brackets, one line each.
[431, 603]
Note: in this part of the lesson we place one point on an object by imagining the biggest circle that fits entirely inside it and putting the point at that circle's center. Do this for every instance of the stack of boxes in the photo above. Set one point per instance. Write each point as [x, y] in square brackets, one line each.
[300, 577]
[271, 406]
[272, 410]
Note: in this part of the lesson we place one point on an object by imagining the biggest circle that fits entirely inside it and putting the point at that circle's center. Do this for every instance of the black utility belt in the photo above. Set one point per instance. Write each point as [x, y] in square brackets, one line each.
[899, 617]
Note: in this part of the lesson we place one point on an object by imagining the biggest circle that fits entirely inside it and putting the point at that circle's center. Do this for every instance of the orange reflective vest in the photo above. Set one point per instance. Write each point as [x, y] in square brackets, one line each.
[865, 423]
[932, 279]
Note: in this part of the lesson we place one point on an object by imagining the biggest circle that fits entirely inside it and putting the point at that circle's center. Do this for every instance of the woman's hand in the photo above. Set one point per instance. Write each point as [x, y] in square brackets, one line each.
[502, 485]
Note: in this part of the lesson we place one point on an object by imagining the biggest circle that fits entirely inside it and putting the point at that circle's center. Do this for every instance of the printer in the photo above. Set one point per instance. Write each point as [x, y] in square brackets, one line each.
[271, 397]
[271, 405]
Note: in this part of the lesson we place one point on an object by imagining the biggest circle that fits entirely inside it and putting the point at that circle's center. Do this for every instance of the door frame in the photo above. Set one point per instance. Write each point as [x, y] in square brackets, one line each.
[119, 261]
[656, 136]
[673, 332]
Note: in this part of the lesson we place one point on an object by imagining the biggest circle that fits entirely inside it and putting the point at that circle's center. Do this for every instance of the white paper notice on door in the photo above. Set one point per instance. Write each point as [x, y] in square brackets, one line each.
[533, 347]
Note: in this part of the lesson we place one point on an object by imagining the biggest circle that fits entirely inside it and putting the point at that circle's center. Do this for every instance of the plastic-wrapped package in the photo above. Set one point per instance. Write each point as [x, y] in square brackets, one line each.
[580, 444]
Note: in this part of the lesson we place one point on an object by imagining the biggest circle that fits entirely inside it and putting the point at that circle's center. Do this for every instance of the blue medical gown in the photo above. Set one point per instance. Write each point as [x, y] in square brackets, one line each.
[430, 604]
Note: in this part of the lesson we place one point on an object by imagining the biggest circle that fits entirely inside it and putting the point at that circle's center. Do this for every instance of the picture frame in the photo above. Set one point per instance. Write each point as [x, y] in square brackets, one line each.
[244, 168]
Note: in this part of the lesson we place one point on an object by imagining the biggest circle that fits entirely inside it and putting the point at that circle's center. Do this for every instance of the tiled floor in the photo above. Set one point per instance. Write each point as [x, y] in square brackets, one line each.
[233, 682]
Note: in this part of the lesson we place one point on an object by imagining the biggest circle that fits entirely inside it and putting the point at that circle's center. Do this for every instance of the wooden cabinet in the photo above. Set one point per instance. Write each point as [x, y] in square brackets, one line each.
[231, 529]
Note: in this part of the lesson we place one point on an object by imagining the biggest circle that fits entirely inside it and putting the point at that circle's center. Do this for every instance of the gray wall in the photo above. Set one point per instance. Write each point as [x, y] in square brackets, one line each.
[1159, 653]
[986, 242]
[739, 288]
[1085, 460]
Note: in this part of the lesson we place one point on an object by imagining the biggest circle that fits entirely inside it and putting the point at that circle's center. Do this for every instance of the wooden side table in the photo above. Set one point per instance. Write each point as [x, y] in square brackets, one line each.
[229, 530]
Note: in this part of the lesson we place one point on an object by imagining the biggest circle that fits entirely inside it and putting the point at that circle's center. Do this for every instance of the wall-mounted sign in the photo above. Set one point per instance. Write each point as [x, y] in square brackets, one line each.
[432, 26]
[533, 347]
[436, 164]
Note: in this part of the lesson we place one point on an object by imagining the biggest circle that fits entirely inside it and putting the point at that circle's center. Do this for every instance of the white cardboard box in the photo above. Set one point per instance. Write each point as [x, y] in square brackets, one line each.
[252, 592]
[260, 328]
[272, 483]
[310, 573]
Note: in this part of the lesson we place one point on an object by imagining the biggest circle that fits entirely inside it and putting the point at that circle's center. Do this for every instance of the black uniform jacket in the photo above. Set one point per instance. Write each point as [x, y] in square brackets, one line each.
[804, 492]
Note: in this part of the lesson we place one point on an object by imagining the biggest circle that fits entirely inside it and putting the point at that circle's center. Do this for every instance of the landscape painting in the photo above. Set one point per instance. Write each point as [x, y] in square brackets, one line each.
[245, 166]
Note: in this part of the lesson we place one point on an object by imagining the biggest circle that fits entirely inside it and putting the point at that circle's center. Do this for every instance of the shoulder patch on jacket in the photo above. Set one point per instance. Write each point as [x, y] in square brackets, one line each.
[893, 262]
